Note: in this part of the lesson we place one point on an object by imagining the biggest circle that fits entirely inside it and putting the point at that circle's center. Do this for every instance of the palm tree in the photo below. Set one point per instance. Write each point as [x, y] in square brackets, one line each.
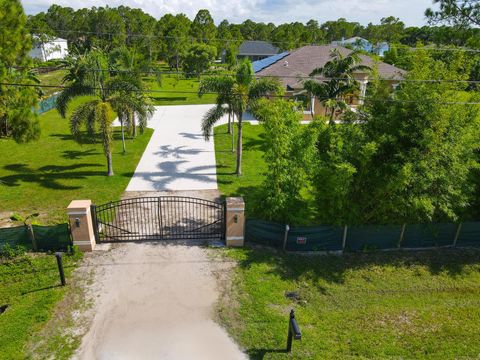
[130, 69]
[337, 81]
[90, 76]
[223, 87]
[243, 93]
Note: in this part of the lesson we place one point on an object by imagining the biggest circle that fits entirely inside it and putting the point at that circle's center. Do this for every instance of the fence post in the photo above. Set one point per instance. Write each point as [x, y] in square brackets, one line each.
[285, 237]
[235, 221]
[344, 239]
[401, 235]
[81, 224]
[58, 255]
[32, 237]
[457, 234]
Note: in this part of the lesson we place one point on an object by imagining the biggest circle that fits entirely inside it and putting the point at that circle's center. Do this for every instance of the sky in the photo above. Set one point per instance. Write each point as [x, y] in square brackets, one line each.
[411, 12]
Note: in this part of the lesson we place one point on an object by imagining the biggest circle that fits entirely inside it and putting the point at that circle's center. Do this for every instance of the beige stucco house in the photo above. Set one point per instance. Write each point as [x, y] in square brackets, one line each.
[293, 68]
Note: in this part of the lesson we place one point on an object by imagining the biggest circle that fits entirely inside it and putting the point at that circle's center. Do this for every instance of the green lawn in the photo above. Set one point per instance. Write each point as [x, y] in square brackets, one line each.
[176, 90]
[45, 175]
[253, 164]
[30, 285]
[52, 78]
[399, 305]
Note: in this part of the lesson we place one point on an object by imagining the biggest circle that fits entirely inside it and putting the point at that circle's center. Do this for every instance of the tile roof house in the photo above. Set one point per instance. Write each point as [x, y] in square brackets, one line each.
[298, 64]
[256, 50]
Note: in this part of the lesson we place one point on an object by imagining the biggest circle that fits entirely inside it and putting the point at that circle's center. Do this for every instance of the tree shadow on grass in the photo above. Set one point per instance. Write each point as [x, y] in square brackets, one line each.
[259, 354]
[76, 154]
[49, 176]
[252, 144]
[334, 268]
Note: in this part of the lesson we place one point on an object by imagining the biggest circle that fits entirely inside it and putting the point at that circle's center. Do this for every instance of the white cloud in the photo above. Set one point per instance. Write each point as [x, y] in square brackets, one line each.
[276, 11]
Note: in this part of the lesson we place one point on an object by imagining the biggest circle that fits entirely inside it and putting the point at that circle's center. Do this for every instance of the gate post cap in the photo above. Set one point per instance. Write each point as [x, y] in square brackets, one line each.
[235, 202]
[79, 205]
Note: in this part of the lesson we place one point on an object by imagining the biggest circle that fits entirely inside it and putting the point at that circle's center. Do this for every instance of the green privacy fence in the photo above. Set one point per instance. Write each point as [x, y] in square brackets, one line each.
[41, 238]
[361, 238]
[46, 104]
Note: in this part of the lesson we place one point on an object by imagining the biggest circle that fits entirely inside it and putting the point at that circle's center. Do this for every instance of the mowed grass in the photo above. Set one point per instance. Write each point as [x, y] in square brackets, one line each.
[53, 78]
[176, 90]
[30, 286]
[253, 164]
[398, 305]
[45, 175]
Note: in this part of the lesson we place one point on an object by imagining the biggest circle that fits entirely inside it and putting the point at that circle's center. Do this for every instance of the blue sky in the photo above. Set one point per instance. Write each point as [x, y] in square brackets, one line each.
[276, 11]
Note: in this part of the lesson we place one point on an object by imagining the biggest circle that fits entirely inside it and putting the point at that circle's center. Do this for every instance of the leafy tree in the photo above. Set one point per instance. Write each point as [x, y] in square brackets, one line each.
[16, 117]
[203, 28]
[246, 90]
[173, 38]
[289, 150]
[340, 81]
[96, 114]
[458, 12]
[341, 28]
[475, 76]
[231, 56]
[198, 59]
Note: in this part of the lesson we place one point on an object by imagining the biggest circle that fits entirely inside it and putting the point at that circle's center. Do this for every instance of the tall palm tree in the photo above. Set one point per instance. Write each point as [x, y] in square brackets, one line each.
[223, 87]
[90, 76]
[129, 68]
[243, 93]
[337, 81]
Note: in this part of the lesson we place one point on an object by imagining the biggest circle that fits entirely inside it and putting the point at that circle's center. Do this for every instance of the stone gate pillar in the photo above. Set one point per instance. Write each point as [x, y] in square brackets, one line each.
[235, 221]
[81, 225]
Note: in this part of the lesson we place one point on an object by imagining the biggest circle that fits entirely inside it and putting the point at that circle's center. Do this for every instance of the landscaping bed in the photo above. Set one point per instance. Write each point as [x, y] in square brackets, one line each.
[422, 305]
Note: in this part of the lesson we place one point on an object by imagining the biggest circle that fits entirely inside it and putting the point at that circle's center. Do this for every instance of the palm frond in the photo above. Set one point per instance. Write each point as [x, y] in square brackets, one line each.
[68, 94]
[221, 85]
[84, 114]
[210, 118]
[265, 86]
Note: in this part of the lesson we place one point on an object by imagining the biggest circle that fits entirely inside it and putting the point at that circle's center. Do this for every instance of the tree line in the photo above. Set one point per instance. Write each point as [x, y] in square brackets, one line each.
[171, 36]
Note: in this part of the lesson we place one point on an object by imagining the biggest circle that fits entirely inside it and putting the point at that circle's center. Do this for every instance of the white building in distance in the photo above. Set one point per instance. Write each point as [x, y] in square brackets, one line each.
[51, 50]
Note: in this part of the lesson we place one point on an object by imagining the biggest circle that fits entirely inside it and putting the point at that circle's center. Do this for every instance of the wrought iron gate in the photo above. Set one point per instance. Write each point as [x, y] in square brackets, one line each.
[159, 218]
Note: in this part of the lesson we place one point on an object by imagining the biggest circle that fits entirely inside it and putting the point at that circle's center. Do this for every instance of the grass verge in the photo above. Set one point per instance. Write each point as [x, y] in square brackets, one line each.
[30, 286]
[400, 305]
[45, 175]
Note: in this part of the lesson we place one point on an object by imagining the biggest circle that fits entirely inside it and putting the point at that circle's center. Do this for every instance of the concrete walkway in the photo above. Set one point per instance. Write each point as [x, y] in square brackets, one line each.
[155, 301]
[177, 156]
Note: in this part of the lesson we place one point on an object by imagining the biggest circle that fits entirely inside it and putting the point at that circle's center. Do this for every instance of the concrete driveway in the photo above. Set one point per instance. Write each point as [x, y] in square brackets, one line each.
[177, 156]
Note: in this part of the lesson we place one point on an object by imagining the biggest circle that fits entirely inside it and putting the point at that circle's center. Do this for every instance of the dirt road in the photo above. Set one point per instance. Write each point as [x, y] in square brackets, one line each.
[155, 301]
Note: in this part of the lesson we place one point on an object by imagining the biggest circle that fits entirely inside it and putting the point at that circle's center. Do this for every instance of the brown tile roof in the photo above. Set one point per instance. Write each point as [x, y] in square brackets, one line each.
[302, 61]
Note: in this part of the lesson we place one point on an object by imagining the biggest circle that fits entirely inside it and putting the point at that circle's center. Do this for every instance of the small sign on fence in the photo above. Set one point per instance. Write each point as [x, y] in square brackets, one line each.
[301, 240]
